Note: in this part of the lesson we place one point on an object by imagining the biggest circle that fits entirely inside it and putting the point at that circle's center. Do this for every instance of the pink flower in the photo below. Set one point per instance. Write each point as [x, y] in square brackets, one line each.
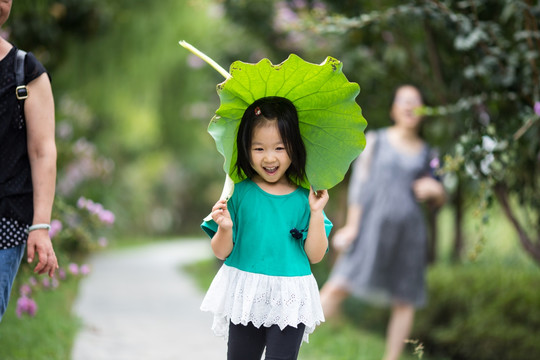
[32, 280]
[46, 283]
[94, 208]
[62, 273]
[85, 269]
[56, 226]
[25, 290]
[106, 217]
[26, 305]
[537, 108]
[73, 268]
[81, 203]
[55, 283]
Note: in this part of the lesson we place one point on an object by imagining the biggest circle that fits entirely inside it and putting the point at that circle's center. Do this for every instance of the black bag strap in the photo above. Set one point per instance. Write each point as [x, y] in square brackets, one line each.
[20, 91]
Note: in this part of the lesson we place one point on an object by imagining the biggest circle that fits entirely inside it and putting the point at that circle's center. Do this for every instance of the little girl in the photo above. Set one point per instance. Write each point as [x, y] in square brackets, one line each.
[268, 233]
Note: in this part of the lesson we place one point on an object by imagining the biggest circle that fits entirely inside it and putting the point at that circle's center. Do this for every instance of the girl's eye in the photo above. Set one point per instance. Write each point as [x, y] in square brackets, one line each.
[280, 148]
[257, 149]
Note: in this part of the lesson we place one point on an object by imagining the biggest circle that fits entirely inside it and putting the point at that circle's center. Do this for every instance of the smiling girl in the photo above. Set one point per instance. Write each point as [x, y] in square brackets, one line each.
[265, 296]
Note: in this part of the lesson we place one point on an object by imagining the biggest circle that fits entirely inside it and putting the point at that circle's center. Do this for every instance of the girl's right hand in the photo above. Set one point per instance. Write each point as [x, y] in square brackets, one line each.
[344, 238]
[221, 215]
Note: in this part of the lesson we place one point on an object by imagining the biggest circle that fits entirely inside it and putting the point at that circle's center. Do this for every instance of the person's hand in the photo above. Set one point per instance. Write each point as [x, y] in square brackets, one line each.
[40, 243]
[427, 188]
[221, 215]
[344, 237]
[318, 199]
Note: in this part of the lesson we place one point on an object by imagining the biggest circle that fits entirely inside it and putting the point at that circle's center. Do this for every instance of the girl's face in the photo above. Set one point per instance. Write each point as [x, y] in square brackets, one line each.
[406, 102]
[5, 9]
[268, 155]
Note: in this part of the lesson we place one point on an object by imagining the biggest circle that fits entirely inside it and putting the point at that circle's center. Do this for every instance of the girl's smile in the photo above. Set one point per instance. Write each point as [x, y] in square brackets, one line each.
[269, 158]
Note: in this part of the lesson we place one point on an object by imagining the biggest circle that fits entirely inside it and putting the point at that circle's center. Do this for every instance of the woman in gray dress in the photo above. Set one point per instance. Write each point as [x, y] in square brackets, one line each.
[383, 243]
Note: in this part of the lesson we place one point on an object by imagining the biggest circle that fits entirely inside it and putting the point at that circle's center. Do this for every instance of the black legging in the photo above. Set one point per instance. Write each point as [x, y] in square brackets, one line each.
[246, 342]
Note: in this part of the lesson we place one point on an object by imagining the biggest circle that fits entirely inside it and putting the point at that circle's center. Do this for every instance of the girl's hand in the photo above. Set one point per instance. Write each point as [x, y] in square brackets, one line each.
[344, 237]
[221, 215]
[318, 200]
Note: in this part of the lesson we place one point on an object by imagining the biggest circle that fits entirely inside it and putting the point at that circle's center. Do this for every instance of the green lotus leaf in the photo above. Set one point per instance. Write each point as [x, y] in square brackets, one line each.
[330, 120]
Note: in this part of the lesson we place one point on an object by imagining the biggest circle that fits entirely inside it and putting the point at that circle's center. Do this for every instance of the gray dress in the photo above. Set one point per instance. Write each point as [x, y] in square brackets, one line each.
[387, 261]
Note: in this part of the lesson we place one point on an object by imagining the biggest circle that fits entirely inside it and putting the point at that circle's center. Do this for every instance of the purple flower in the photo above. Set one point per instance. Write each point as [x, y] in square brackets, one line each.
[32, 280]
[46, 283]
[81, 203]
[56, 226]
[73, 268]
[25, 290]
[93, 207]
[62, 273]
[434, 163]
[106, 216]
[537, 108]
[55, 283]
[85, 269]
[26, 305]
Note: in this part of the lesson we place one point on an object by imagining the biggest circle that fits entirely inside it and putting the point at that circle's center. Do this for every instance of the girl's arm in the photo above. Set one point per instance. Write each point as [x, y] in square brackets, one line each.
[316, 242]
[222, 241]
[39, 114]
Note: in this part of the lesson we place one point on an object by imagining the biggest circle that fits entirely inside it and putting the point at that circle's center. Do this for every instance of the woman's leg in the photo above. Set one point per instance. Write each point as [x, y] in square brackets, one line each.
[10, 260]
[246, 342]
[284, 344]
[332, 296]
[399, 329]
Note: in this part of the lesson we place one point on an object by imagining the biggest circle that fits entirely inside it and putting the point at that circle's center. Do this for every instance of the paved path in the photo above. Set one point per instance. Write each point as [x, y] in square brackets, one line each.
[136, 304]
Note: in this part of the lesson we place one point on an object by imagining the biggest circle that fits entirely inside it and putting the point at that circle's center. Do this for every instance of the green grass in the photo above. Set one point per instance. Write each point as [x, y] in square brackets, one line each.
[341, 340]
[47, 336]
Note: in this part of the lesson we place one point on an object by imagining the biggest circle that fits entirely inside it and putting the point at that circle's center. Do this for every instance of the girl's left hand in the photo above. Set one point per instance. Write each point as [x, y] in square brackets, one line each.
[318, 200]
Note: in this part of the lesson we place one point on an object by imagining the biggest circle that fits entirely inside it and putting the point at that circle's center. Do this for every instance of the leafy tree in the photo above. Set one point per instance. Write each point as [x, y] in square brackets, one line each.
[478, 61]
[44, 26]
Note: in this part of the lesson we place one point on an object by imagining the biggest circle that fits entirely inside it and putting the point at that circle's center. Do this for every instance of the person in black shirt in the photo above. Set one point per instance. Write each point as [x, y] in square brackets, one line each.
[27, 167]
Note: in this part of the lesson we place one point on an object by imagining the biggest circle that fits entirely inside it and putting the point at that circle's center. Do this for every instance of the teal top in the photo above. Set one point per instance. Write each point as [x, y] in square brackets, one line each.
[262, 225]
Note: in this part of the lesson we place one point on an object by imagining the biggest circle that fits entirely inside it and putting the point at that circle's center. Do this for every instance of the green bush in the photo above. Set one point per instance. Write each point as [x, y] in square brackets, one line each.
[481, 313]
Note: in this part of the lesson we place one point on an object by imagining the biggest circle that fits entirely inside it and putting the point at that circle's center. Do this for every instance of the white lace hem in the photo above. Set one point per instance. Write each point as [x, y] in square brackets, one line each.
[243, 297]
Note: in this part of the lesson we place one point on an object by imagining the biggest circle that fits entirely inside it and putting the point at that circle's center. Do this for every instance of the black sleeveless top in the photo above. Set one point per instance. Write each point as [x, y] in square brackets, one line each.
[16, 196]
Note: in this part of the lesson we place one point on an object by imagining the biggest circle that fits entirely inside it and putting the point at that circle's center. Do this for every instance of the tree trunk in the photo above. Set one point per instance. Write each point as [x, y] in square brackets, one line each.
[457, 202]
[531, 247]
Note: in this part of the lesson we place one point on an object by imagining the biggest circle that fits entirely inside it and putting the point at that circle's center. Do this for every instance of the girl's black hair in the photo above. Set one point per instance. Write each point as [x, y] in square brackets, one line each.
[272, 108]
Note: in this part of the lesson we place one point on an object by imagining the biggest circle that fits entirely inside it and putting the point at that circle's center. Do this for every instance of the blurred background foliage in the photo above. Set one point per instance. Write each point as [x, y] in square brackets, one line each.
[133, 107]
